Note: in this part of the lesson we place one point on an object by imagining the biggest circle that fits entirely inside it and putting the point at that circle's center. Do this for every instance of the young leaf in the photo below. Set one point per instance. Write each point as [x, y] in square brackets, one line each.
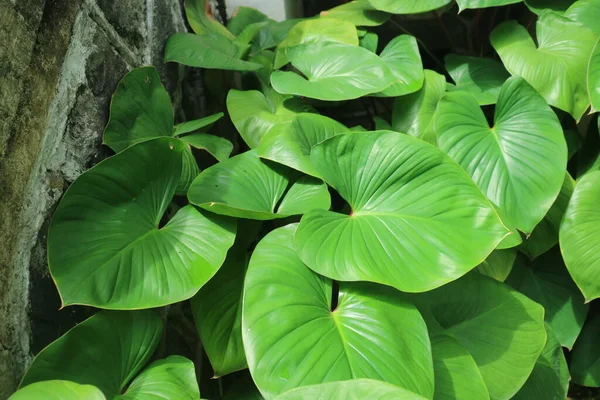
[293, 338]
[520, 162]
[402, 56]
[360, 13]
[407, 7]
[498, 264]
[200, 17]
[218, 147]
[58, 390]
[356, 389]
[410, 203]
[465, 4]
[244, 17]
[197, 124]
[106, 247]
[483, 77]
[585, 359]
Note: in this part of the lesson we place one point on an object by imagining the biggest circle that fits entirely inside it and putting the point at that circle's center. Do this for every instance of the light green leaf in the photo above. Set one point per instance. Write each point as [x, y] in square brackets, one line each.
[538, 6]
[274, 32]
[557, 67]
[520, 162]
[498, 264]
[210, 51]
[58, 390]
[369, 41]
[200, 17]
[593, 78]
[499, 327]
[332, 72]
[360, 13]
[401, 54]
[410, 204]
[547, 282]
[483, 77]
[244, 17]
[218, 147]
[465, 4]
[88, 353]
[587, 13]
[290, 144]
[293, 338]
[413, 114]
[245, 186]
[197, 124]
[356, 389]
[381, 124]
[407, 7]
[585, 358]
[580, 235]
[106, 247]
[315, 31]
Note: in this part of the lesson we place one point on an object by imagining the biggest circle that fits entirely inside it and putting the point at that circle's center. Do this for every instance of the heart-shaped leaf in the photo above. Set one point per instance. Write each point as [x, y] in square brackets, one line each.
[106, 247]
[593, 78]
[557, 67]
[498, 264]
[538, 6]
[332, 72]
[58, 390]
[88, 353]
[407, 7]
[245, 186]
[585, 358]
[360, 13]
[483, 77]
[200, 17]
[290, 144]
[500, 159]
[499, 327]
[580, 235]
[356, 389]
[410, 203]
[401, 54]
[585, 12]
[465, 4]
[293, 337]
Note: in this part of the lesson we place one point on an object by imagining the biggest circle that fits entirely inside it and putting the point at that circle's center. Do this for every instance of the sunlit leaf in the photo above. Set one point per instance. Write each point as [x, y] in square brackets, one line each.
[355, 389]
[401, 54]
[407, 7]
[58, 390]
[360, 13]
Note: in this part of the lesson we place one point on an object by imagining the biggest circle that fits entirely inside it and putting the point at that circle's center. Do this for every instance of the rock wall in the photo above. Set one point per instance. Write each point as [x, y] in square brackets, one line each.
[60, 61]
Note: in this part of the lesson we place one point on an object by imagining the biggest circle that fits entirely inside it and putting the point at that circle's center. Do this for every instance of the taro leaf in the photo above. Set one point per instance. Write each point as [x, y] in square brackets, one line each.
[274, 32]
[538, 6]
[410, 203]
[189, 171]
[557, 67]
[499, 327]
[197, 124]
[293, 338]
[171, 378]
[585, 358]
[244, 186]
[526, 132]
[356, 389]
[243, 17]
[218, 147]
[483, 77]
[248, 35]
[545, 234]
[369, 41]
[209, 51]
[547, 282]
[401, 54]
[586, 12]
[315, 31]
[465, 4]
[106, 245]
[200, 17]
[593, 79]
[58, 390]
[413, 114]
[290, 144]
[360, 13]
[580, 235]
[407, 7]
[549, 379]
[140, 110]
[91, 351]
[332, 72]
[456, 373]
[498, 264]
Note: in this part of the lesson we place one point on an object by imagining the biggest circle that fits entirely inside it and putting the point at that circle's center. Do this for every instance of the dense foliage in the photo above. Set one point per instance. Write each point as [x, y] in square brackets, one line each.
[411, 210]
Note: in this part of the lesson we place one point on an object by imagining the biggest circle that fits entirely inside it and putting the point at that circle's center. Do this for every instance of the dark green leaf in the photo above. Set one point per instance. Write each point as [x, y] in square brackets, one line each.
[218, 147]
[360, 13]
[197, 124]
[585, 358]
[483, 77]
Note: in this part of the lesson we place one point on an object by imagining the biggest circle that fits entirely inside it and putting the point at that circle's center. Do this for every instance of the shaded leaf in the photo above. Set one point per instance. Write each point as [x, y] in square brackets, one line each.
[197, 124]
[200, 17]
[498, 264]
[585, 358]
[465, 4]
[360, 13]
[593, 78]
[483, 77]
[369, 41]
[218, 147]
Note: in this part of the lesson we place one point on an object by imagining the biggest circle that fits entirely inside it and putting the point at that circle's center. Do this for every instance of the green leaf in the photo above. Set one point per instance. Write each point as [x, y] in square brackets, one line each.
[520, 162]
[407, 7]
[290, 144]
[381, 124]
[413, 114]
[218, 147]
[585, 358]
[244, 17]
[332, 72]
[483, 77]
[593, 78]
[410, 204]
[585, 12]
[197, 124]
[500, 328]
[105, 244]
[580, 235]
[545, 234]
[356, 389]
[538, 6]
[369, 41]
[465, 4]
[58, 390]
[360, 13]
[89, 353]
[402, 56]
[550, 376]
[140, 110]
[293, 338]
[498, 264]
[244, 186]
[557, 67]
[456, 373]
[274, 32]
[315, 31]
[189, 171]
[210, 51]
[248, 35]
[171, 378]
[200, 17]
[547, 282]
